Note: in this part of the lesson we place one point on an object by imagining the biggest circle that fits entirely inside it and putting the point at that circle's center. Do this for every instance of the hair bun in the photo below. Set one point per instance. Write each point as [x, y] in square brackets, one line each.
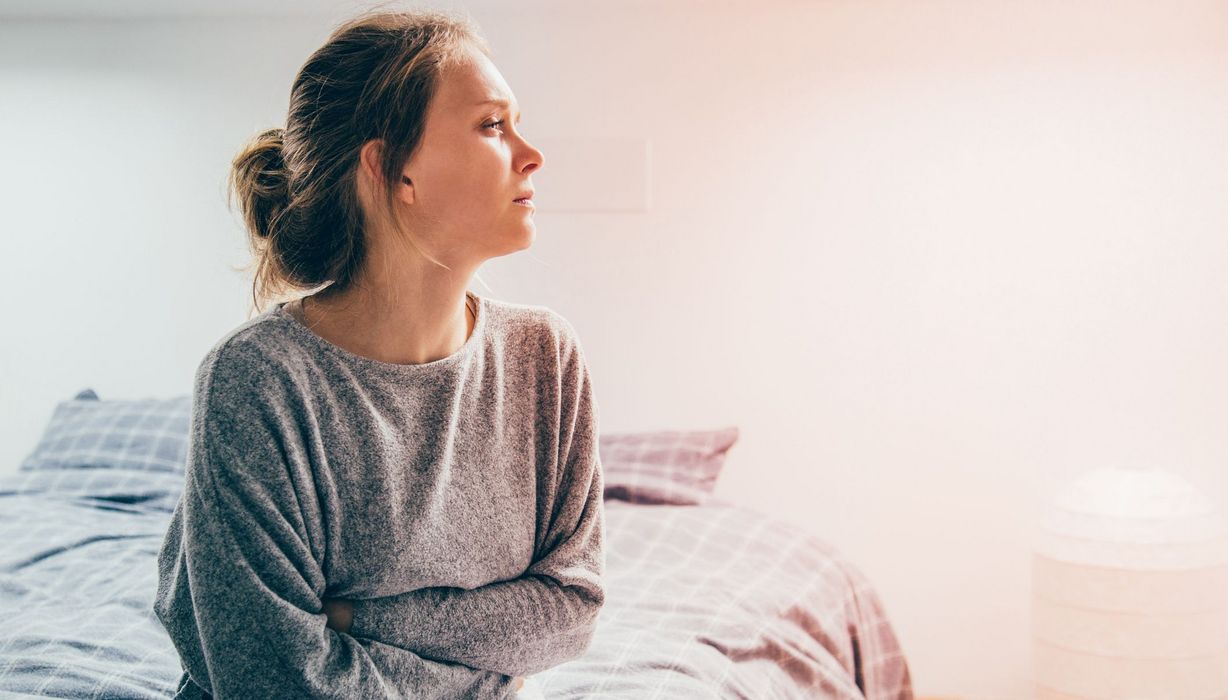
[259, 178]
[270, 146]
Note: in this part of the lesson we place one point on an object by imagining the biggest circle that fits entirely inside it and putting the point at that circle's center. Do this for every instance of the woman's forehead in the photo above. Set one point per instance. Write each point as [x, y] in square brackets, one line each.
[476, 84]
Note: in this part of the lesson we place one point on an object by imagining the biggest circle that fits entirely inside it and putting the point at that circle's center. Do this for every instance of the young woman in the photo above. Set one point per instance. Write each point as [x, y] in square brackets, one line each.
[393, 486]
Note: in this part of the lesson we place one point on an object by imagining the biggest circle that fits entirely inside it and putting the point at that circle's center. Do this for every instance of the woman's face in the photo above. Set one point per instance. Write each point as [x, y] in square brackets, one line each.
[471, 165]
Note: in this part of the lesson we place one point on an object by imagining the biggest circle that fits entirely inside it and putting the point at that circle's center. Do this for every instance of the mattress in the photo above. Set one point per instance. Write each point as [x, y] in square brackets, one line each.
[703, 601]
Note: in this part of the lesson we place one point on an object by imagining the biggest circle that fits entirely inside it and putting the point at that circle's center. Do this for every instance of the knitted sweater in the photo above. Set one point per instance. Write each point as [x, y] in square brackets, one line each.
[457, 503]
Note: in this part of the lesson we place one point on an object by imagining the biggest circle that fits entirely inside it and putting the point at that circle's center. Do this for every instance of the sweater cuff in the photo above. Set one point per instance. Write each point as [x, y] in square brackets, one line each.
[389, 619]
[361, 619]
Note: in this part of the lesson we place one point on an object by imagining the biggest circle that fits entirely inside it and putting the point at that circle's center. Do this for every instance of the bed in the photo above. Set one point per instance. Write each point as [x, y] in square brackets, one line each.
[705, 598]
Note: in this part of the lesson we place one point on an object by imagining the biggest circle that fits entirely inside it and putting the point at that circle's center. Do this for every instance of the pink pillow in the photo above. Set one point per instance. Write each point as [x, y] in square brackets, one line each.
[677, 467]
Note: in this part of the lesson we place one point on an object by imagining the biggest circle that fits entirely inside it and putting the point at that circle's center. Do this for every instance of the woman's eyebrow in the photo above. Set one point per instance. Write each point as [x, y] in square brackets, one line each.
[503, 103]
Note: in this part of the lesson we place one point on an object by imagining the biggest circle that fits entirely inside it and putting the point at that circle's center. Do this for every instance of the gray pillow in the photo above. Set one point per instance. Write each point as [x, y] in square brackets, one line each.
[138, 434]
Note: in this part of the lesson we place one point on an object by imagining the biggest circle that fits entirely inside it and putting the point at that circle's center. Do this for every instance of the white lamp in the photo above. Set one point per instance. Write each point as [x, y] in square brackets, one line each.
[1130, 590]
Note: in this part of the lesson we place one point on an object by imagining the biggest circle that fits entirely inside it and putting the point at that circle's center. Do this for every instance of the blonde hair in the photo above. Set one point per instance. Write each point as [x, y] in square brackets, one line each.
[296, 187]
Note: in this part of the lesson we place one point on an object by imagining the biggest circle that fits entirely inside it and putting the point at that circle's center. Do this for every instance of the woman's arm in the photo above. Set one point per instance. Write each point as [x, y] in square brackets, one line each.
[340, 612]
[239, 584]
[549, 614]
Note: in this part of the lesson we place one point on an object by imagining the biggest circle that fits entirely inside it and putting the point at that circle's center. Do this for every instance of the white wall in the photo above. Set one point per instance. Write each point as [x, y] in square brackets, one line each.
[932, 258]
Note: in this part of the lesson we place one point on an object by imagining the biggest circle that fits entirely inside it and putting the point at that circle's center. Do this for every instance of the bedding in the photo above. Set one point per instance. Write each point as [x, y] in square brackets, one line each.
[709, 601]
[705, 598]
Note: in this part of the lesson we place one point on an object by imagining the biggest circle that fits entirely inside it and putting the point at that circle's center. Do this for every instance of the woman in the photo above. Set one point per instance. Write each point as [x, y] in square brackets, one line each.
[393, 485]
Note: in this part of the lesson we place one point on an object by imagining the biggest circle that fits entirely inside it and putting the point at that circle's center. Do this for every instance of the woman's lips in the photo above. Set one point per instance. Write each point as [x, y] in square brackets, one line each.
[524, 202]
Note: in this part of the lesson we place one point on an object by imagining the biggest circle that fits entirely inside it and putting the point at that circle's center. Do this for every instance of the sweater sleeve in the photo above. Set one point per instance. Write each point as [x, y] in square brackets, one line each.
[548, 615]
[240, 583]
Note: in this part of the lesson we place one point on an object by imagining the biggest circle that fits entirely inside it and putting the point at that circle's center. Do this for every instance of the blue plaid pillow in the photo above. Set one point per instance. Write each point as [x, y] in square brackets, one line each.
[140, 434]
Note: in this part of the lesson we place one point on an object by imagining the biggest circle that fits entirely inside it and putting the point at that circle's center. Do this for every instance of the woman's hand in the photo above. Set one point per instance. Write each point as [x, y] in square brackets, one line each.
[340, 613]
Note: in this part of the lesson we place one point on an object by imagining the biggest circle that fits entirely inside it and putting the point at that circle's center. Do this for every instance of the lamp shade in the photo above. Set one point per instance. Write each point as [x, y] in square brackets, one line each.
[1130, 590]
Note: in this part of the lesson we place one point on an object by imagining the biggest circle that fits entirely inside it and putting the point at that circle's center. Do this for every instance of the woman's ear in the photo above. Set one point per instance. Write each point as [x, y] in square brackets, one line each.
[369, 156]
[409, 182]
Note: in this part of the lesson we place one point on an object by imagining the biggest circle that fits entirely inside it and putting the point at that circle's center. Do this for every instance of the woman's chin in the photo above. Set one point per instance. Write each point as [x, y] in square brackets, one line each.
[530, 235]
[522, 240]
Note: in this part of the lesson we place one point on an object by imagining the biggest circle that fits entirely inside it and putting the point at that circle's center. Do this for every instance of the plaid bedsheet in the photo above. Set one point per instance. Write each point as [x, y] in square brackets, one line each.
[711, 601]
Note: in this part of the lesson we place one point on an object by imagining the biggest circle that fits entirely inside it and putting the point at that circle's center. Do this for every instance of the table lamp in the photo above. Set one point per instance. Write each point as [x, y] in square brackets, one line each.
[1130, 590]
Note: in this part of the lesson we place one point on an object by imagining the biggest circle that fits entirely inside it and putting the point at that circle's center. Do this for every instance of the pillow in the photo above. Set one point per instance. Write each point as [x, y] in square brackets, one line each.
[678, 467]
[675, 467]
[140, 434]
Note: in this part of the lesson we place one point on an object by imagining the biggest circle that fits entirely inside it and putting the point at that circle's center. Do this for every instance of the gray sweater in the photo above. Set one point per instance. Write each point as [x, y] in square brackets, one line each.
[457, 503]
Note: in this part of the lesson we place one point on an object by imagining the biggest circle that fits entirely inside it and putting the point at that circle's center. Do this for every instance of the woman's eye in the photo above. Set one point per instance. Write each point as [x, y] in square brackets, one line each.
[494, 124]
